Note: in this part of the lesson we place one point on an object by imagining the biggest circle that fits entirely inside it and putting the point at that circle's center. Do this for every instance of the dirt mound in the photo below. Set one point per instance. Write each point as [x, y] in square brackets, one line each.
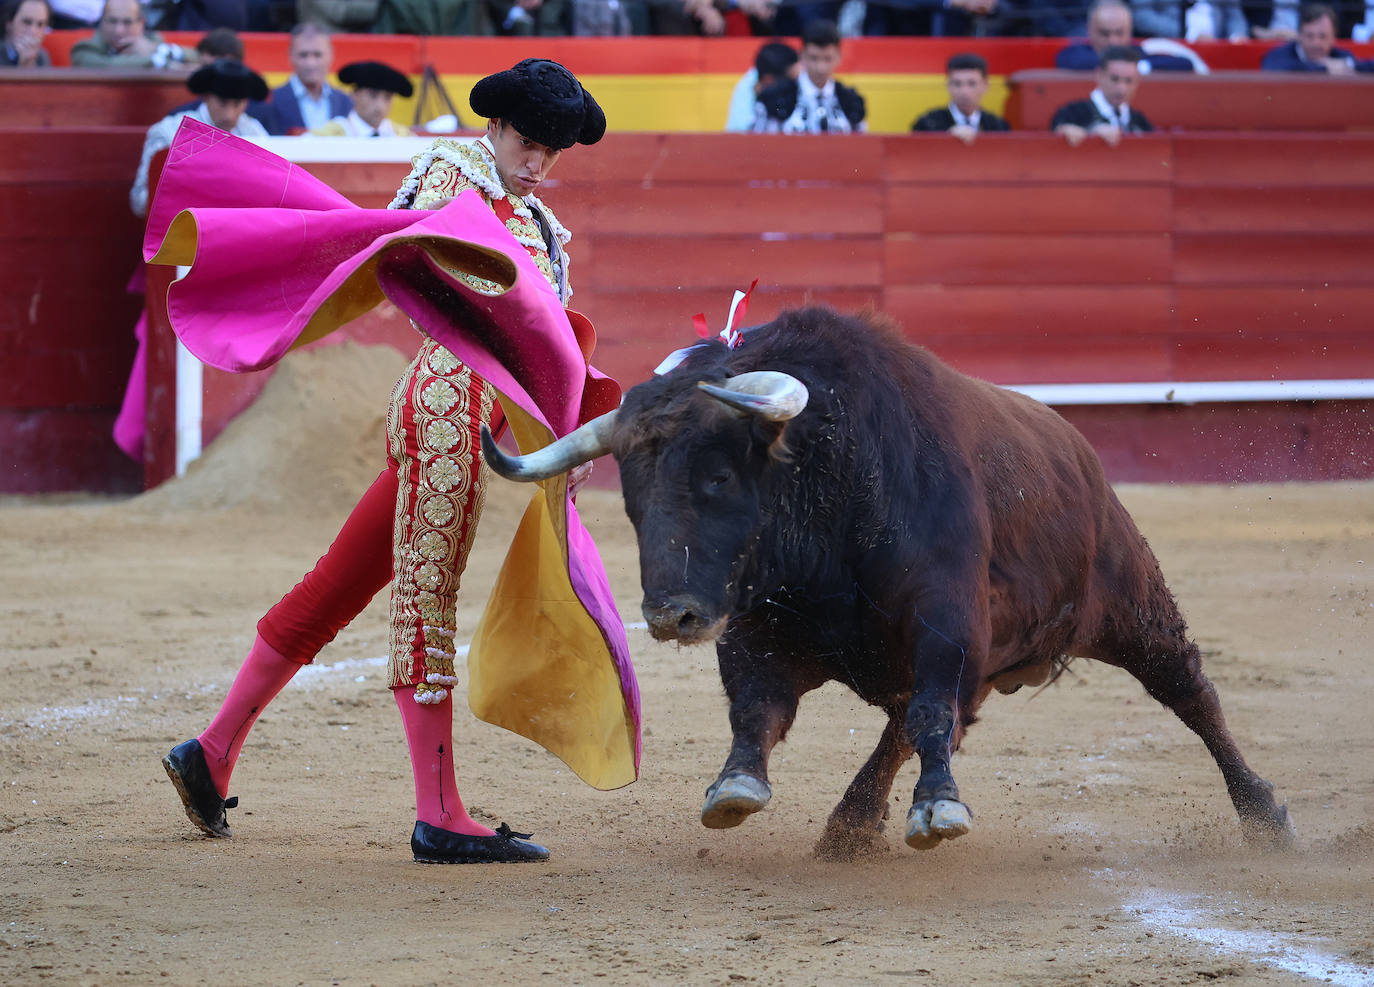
[313, 440]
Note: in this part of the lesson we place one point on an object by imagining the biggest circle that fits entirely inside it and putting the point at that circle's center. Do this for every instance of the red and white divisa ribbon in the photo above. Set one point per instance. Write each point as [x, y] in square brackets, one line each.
[730, 335]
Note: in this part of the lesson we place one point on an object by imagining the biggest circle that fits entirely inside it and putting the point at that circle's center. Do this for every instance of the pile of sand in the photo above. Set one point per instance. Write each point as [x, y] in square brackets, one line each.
[312, 441]
[310, 444]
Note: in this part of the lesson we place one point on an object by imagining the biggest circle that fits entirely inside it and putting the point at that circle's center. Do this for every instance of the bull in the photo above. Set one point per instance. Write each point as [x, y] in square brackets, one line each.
[828, 502]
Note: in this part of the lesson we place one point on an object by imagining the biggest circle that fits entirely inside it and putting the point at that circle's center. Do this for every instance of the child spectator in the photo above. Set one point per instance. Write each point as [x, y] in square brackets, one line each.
[774, 62]
[1107, 111]
[374, 86]
[815, 102]
[966, 78]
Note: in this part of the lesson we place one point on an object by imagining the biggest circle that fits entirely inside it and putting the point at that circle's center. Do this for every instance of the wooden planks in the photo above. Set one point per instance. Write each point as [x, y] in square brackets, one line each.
[1174, 257]
[1221, 101]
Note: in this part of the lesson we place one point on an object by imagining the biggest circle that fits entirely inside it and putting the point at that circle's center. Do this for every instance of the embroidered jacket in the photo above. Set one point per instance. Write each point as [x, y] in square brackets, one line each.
[448, 167]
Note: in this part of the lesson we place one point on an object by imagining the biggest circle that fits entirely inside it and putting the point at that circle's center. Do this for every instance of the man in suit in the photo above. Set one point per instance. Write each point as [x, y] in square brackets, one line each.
[1314, 50]
[815, 102]
[1107, 111]
[307, 100]
[374, 84]
[1111, 22]
[966, 78]
[122, 41]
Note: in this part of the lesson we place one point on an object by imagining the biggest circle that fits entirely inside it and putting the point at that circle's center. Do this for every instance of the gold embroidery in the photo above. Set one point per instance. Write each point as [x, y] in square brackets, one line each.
[440, 435]
[441, 476]
[439, 397]
[433, 546]
[438, 511]
[442, 362]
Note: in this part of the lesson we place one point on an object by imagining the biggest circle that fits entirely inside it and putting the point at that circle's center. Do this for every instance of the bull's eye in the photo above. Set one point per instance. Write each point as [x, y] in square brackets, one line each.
[719, 480]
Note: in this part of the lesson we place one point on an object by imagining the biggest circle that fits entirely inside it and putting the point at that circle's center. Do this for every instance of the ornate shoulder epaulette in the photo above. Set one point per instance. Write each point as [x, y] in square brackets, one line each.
[470, 162]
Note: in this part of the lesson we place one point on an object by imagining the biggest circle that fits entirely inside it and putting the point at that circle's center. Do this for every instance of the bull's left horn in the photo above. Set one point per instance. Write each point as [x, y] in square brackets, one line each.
[769, 394]
[579, 446]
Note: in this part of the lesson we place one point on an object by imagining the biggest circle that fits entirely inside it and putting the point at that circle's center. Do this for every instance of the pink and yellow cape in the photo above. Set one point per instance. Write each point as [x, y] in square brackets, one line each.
[278, 259]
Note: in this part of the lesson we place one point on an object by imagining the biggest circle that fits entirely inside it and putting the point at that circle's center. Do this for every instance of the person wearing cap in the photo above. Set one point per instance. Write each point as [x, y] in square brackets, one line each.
[224, 86]
[774, 62]
[374, 84]
[413, 527]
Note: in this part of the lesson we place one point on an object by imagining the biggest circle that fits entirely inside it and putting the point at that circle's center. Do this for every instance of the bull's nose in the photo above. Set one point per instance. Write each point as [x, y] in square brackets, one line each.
[682, 620]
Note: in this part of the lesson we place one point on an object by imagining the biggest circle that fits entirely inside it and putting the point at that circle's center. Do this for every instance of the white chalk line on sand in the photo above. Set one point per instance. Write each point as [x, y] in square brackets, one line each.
[1299, 954]
[310, 676]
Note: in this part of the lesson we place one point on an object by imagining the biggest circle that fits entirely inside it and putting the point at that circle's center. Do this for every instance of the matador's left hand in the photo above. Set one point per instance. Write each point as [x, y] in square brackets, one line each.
[577, 476]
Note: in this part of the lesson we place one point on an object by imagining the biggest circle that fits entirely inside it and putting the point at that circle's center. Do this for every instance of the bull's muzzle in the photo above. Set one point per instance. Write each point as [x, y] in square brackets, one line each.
[683, 620]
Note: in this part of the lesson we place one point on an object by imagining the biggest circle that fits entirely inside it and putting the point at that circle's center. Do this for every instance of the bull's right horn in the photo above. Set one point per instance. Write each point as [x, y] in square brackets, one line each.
[579, 446]
[769, 394]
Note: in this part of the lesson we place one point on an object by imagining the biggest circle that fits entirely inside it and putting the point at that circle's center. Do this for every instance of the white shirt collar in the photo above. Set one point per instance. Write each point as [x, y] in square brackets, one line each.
[1118, 116]
[966, 121]
[356, 126]
[807, 88]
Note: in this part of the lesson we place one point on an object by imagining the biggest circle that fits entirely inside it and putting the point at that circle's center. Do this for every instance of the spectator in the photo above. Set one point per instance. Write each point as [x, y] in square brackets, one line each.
[224, 86]
[815, 102]
[432, 17]
[339, 16]
[374, 85]
[1110, 23]
[526, 18]
[928, 18]
[774, 62]
[220, 42]
[122, 41]
[224, 42]
[1157, 18]
[966, 77]
[1314, 50]
[607, 18]
[26, 25]
[1265, 20]
[75, 15]
[307, 101]
[795, 16]
[1107, 112]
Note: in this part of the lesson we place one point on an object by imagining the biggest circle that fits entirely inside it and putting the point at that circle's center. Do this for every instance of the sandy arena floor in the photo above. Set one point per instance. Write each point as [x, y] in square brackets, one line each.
[1104, 852]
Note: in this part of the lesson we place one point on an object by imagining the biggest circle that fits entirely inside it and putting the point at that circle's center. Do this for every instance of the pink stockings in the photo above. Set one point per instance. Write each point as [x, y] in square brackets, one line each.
[356, 567]
[429, 735]
[264, 673]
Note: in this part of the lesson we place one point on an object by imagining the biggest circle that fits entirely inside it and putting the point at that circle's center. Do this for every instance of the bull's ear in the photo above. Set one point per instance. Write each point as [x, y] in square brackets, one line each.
[772, 436]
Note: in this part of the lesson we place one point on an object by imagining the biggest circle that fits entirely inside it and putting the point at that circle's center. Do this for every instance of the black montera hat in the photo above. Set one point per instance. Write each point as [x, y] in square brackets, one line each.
[227, 78]
[542, 100]
[375, 75]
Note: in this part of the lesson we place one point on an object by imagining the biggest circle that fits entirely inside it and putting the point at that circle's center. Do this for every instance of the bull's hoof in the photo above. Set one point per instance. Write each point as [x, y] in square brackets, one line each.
[930, 822]
[1271, 831]
[732, 799]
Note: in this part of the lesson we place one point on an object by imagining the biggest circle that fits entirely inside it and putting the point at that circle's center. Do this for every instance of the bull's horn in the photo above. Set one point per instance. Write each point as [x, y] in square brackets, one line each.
[770, 394]
[579, 446]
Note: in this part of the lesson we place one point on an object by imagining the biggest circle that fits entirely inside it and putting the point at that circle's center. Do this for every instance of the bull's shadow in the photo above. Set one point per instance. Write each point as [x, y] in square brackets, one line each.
[829, 502]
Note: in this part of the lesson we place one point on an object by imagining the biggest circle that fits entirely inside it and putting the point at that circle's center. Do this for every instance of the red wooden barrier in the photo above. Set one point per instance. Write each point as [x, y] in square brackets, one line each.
[615, 56]
[1220, 101]
[1170, 258]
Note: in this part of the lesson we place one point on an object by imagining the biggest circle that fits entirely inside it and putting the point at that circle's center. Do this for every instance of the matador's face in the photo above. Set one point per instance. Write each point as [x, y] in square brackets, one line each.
[522, 163]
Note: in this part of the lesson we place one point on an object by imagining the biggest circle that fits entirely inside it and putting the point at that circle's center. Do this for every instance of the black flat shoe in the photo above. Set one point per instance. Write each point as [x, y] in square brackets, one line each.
[186, 766]
[432, 845]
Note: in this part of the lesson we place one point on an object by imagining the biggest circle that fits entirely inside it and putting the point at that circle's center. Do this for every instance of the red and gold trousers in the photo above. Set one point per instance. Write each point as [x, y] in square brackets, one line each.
[413, 528]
